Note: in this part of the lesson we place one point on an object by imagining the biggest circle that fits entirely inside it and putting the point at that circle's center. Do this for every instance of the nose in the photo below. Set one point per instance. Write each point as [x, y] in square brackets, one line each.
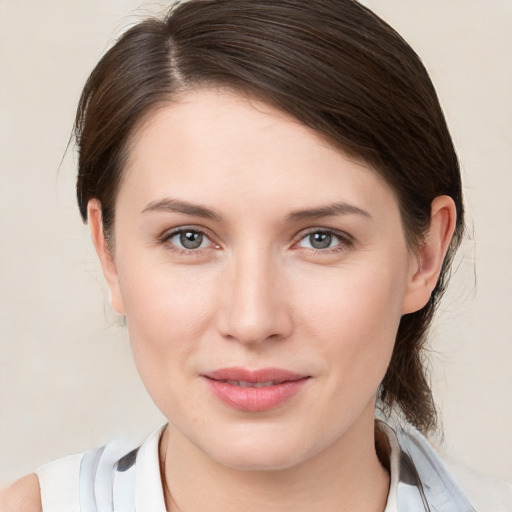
[254, 304]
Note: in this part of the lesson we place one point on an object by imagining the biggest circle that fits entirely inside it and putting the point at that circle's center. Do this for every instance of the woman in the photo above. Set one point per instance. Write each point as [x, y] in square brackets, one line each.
[275, 200]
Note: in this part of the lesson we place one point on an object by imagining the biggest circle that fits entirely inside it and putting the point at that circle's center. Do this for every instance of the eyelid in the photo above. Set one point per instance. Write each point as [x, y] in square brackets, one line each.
[168, 234]
[346, 240]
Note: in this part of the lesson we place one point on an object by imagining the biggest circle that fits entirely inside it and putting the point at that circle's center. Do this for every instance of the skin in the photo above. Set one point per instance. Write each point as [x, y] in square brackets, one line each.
[256, 294]
[24, 495]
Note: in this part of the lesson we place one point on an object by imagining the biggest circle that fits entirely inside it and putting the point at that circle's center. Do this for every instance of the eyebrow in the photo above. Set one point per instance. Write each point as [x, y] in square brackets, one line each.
[179, 206]
[175, 205]
[330, 210]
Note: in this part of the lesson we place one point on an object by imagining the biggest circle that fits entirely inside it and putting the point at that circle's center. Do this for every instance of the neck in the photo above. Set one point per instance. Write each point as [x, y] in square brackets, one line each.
[346, 476]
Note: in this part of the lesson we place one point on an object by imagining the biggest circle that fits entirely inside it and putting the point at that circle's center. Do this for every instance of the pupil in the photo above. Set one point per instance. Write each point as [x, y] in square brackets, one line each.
[191, 239]
[320, 240]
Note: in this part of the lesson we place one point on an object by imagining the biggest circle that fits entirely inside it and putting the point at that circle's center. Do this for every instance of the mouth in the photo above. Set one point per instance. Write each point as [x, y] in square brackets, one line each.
[248, 384]
[255, 390]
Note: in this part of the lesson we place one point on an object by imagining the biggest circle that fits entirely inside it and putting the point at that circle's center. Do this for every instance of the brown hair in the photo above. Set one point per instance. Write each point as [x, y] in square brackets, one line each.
[333, 65]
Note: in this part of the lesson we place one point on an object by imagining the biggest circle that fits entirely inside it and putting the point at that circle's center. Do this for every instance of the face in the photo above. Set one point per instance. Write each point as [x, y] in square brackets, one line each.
[263, 275]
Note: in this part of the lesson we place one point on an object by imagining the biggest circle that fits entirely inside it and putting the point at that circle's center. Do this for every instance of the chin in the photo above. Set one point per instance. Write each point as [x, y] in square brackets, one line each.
[246, 452]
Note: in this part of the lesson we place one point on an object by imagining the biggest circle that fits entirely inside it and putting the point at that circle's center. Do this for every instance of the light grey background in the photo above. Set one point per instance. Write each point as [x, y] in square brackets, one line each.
[66, 378]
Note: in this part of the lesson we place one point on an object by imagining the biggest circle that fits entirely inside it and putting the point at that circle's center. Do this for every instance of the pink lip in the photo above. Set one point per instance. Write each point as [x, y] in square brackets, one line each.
[255, 399]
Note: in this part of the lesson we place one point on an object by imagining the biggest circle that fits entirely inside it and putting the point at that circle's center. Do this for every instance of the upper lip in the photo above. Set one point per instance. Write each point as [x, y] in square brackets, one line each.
[261, 375]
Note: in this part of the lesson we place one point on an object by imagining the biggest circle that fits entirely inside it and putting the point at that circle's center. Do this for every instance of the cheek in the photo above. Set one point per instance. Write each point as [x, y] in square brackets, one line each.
[354, 299]
[355, 316]
[159, 297]
[167, 314]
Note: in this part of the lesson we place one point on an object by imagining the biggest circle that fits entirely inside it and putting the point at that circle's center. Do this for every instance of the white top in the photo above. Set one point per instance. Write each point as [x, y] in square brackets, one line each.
[112, 479]
[62, 489]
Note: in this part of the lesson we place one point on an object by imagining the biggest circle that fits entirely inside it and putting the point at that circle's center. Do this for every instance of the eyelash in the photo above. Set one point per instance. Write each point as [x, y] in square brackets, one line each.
[169, 235]
[344, 240]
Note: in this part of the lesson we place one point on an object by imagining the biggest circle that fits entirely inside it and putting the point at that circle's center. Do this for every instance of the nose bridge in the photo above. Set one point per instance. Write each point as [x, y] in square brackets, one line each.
[256, 308]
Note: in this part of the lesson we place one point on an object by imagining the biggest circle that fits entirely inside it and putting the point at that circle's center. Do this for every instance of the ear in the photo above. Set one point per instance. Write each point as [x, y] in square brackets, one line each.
[427, 261]
[95, 218]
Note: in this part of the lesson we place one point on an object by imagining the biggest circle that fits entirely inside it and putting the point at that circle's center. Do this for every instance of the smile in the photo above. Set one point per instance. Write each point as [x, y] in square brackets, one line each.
[247, 384]
[254, 391]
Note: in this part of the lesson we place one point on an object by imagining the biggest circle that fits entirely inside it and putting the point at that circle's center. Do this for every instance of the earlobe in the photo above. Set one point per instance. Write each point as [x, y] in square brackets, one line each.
[94, 216]
[427, 262]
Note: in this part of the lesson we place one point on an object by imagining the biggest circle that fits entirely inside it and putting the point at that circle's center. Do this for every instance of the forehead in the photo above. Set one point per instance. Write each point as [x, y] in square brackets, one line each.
[219, 118]
[216, 145]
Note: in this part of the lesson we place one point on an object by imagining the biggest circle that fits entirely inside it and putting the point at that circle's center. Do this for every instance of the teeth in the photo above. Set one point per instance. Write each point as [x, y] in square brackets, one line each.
[263, 384]
[247, 384]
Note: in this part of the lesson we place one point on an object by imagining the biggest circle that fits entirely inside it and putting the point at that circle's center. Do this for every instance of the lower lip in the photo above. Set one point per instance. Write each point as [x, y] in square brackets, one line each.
[255, 399]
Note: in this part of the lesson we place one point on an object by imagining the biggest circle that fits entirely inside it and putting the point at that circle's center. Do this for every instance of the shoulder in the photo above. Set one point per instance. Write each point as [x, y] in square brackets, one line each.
[59, 483]
[486, 493]
[24, 495]
[93, 480]
[423, 475]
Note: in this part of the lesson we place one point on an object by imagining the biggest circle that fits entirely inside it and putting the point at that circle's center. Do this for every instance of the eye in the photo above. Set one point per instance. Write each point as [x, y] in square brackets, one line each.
[322, 239]
[188, 239]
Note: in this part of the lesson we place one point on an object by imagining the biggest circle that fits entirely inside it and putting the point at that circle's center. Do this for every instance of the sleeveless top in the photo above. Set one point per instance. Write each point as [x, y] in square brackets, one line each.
[116, 479]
